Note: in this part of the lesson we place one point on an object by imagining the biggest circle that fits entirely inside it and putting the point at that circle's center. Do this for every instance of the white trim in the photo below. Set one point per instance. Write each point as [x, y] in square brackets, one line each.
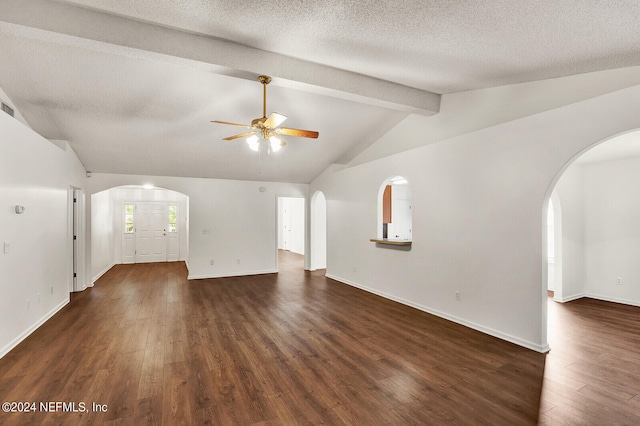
[97, 277]
[15, 342]
[612, 299]
[235, 274]
[569, 298]
[461, 321]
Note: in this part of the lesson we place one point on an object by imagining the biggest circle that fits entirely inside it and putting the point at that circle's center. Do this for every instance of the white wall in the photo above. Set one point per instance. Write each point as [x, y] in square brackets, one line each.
[36, 174]
[318, 232]
[554, 243]
[103, 238]
[230, 222]
[480, 196]
[551, 248]
[612, 230]
[570, 190]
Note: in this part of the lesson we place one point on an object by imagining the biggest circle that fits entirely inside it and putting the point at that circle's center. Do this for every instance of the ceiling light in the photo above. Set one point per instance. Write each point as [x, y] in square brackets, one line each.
[398, 180]
[276, 143]
[147, 186]
[254, 142]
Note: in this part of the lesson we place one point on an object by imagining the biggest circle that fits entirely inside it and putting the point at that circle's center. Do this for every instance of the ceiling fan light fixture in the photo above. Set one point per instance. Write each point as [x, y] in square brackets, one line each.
[254, 142]
[267, 128]
[276, 144]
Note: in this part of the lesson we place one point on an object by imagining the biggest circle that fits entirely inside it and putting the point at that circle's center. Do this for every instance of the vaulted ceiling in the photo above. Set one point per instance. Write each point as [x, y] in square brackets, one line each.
[132, 86]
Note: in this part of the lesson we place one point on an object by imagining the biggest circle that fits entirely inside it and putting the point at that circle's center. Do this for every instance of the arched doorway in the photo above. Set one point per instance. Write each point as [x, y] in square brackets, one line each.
[135, 224]
[592, 199]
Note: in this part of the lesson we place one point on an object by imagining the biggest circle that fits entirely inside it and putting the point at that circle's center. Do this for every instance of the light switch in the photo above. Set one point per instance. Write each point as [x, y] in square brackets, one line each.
[7, 247]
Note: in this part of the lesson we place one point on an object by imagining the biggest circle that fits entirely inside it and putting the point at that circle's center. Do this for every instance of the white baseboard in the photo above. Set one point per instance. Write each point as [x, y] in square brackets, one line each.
[461, 321]
[97, 277]
[569, 298]
[233, 274]
[15, 342]
[612, 299]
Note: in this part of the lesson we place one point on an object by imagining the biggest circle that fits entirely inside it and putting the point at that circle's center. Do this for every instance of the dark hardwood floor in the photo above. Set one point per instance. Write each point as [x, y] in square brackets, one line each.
[592, 374]
[298, 348]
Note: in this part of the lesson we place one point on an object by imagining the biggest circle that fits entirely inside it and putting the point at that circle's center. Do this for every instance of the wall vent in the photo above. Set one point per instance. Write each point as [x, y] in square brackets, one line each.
[6, 108]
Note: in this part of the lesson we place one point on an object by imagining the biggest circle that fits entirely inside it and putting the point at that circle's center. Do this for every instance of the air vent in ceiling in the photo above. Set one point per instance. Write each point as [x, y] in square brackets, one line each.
[6, 108]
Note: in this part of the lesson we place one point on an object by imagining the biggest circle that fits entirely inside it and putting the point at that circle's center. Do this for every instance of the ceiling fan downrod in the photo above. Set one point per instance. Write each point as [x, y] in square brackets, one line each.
[264, 79]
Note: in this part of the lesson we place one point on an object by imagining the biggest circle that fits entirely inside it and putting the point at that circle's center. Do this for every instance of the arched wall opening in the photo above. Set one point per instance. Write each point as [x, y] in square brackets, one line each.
[136, 224]
[593, 202]
[395, 216]
[318, 243]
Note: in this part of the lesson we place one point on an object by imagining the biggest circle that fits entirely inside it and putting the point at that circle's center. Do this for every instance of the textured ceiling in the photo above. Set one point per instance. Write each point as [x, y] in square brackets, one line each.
[441, 46]
[132, 85]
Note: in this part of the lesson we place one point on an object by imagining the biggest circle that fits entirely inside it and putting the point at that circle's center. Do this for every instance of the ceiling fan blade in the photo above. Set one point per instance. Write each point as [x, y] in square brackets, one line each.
[297, 132]
[241, 135]
[274, 120]
[232, 124]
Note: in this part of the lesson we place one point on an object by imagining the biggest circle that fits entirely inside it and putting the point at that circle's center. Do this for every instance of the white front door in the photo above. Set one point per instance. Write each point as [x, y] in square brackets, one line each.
[151, 232]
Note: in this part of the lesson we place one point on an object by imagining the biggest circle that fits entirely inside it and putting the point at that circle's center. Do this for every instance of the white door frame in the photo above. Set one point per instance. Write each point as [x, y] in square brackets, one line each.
[75, 236]
[127, 237]
[277, 227]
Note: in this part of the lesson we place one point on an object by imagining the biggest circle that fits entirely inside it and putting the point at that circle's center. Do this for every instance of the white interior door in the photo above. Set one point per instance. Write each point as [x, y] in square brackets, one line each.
[401, 222]
[151, 232]
[402, 219]
[286, 224]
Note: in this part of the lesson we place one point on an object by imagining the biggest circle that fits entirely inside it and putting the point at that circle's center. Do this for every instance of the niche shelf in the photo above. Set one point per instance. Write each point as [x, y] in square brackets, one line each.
[390, 242]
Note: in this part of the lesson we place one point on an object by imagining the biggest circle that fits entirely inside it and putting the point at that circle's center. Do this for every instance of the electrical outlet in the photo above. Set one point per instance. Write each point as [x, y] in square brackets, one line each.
[7, 247]
[457, 295]
[238, 261]
[51, 289]
[211, 262]
[619, 281]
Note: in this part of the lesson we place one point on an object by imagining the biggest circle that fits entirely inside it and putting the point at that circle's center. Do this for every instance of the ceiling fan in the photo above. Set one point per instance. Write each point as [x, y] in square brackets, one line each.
[266, 128]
